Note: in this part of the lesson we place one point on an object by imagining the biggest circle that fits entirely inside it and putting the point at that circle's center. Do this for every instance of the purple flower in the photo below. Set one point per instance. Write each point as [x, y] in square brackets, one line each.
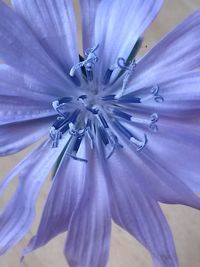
[121, 132]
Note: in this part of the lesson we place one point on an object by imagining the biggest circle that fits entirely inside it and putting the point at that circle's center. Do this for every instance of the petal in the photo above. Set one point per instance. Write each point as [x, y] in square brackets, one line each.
[114, 15]
[17, 136]
[63, 197]
[143, 218]
[177, 139]
[89, 229]
[17, 109]
[13, 83]
[18, 214]
[88, 12]
[20, 49]
[157, 181]
[175, 147]
[178, 51]
[54, 24]
[181, 94]
[19, 167]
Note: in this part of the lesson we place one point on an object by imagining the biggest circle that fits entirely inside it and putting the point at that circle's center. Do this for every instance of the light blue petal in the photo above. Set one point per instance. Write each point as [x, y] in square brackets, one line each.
[14, 83]
[157, 180]
[88, 238]
[118, 25]
[177, 51]
[54, 24]
[26, 54]
[17, 109]
[63, 197]
[88, 11]
[142, 217]
[15, 137]
[175, 145]
[18, 214]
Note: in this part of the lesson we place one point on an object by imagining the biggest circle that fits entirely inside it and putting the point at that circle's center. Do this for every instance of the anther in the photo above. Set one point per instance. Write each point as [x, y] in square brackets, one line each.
[129, 99]
[122, 114]
[102, 120]
[107, 76]
[128, 68]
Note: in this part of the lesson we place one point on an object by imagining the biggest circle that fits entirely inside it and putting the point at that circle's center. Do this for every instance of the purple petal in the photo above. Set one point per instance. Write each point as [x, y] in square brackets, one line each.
[19, 168]
[175, 143]
[18, 109]
[88, 12]
[54, 24]
[63, 197]
[156, 180]
[112, 28]
[13, 83]
[17, 136]
[89, 229]
[18, 215]
[178, 51]
[181, 94]
[180, 153]
[142, 217]
[20, 49]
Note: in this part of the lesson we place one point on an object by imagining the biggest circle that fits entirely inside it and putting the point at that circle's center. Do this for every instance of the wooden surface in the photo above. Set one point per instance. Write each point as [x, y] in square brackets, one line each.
[125, 251]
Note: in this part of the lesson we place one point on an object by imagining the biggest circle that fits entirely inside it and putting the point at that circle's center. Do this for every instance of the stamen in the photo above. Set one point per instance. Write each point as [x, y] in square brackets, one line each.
[75, 132]
[102, 120]
[128, 68]
[61, 126]
[129, 99]
[89, 133]
[107, 76]
[92, 109]
[114, 143]
[122, 129]
[103, 135]
[64, 100]
[122, 114]
[58, 104]
[154, 93]
[108, 97]
[55, 135]
[139, 144]
[125, 99]
[152, 123]
[109, 140]
[89, 62]
[60, 122]
[75, 149]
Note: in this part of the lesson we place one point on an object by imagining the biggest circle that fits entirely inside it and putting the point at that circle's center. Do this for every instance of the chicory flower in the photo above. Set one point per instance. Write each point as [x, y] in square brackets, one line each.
[123, 132]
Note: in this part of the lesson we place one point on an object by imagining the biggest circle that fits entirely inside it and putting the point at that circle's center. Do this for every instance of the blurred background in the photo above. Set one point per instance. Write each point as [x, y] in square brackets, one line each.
[125, 250]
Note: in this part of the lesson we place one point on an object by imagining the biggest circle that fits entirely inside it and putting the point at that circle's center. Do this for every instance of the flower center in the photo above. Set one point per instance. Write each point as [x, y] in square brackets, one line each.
[103, 117]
